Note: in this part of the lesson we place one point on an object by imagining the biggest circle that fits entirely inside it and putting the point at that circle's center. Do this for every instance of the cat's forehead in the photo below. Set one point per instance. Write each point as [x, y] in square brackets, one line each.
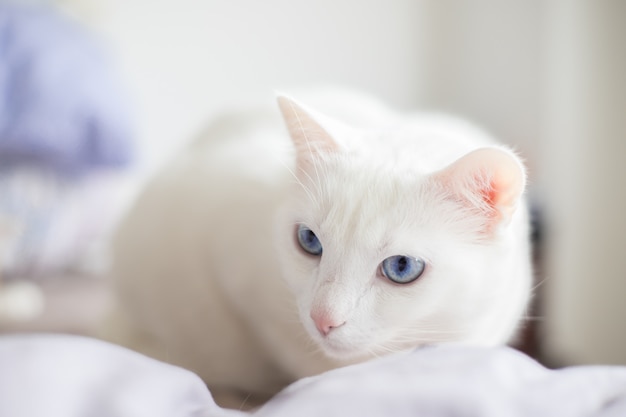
[399, 154]
[370, 203]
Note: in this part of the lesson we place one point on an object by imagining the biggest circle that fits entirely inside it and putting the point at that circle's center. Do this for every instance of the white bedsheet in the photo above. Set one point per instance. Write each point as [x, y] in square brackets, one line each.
[55, 375]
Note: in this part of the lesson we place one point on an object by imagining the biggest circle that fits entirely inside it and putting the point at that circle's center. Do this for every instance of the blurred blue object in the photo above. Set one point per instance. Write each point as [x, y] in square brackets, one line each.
[65, 134]
[61, 106]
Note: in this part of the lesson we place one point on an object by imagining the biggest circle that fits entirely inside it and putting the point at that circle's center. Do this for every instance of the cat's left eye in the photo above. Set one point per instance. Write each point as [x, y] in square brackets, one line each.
[402, 269]
[308, 241]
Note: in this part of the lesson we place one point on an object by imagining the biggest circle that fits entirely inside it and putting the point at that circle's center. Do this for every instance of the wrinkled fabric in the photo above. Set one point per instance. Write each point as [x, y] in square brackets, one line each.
[61, 105]
[70, 376]
[456, 382]
[53, 375]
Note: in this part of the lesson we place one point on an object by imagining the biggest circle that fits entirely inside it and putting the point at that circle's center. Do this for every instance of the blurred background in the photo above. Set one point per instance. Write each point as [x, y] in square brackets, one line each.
[95, 95]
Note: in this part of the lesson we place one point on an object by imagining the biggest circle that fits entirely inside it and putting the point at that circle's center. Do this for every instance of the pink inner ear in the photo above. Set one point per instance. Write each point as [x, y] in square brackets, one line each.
[491, 180]
[508, 178]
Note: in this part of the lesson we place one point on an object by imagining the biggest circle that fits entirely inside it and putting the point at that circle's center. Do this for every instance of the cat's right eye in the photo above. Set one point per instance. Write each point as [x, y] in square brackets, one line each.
[402, 269]
[308, 241]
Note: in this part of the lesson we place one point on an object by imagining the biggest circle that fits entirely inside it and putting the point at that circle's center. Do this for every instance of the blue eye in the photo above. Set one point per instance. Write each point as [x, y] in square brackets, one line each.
[402, 269]
[308, 241]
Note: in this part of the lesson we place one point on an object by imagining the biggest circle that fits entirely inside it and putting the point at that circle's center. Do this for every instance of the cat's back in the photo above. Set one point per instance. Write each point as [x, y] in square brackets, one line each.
[185, 251]
[196, 206]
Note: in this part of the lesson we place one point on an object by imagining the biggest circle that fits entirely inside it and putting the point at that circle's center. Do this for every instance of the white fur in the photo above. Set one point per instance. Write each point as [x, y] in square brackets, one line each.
[208, 265]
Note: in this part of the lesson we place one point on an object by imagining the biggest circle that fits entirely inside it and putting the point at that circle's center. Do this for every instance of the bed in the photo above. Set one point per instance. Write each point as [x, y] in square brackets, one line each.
[72, 376]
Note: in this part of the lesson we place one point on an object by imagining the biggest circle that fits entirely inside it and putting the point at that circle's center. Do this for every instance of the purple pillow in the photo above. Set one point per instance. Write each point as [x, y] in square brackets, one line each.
[61, 106]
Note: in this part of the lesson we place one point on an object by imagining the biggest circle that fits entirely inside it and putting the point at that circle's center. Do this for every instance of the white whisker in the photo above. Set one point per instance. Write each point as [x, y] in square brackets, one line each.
[306, 189]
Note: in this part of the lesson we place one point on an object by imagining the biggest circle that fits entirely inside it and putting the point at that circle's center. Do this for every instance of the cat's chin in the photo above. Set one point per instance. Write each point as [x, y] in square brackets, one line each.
[342, 351]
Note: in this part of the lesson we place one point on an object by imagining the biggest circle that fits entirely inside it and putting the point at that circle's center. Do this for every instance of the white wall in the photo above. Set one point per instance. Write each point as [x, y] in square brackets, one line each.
[585, 174]
[484, 61]
[184, 60]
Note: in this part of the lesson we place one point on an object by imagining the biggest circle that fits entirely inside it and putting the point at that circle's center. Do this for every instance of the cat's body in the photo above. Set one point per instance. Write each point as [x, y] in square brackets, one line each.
[209, 262]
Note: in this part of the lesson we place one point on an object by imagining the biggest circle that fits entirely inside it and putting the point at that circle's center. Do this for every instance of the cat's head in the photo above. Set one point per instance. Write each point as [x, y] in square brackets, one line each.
[382, 256]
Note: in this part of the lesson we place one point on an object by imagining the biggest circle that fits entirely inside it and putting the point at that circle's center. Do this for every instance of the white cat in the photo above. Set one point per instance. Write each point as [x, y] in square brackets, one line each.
[263, 254]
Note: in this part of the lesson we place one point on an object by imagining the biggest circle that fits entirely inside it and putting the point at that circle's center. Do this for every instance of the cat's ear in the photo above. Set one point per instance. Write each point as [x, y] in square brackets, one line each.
[310, 138]
[489, 182]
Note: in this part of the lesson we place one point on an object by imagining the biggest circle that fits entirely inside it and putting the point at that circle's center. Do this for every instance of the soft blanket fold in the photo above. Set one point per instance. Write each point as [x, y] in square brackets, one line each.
[48, 375]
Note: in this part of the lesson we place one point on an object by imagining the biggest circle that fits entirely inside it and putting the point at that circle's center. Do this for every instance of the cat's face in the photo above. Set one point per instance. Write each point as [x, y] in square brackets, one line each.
[382, 258]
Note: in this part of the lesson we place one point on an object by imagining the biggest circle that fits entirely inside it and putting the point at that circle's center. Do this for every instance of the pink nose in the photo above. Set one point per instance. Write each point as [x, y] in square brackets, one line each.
[325, 322]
